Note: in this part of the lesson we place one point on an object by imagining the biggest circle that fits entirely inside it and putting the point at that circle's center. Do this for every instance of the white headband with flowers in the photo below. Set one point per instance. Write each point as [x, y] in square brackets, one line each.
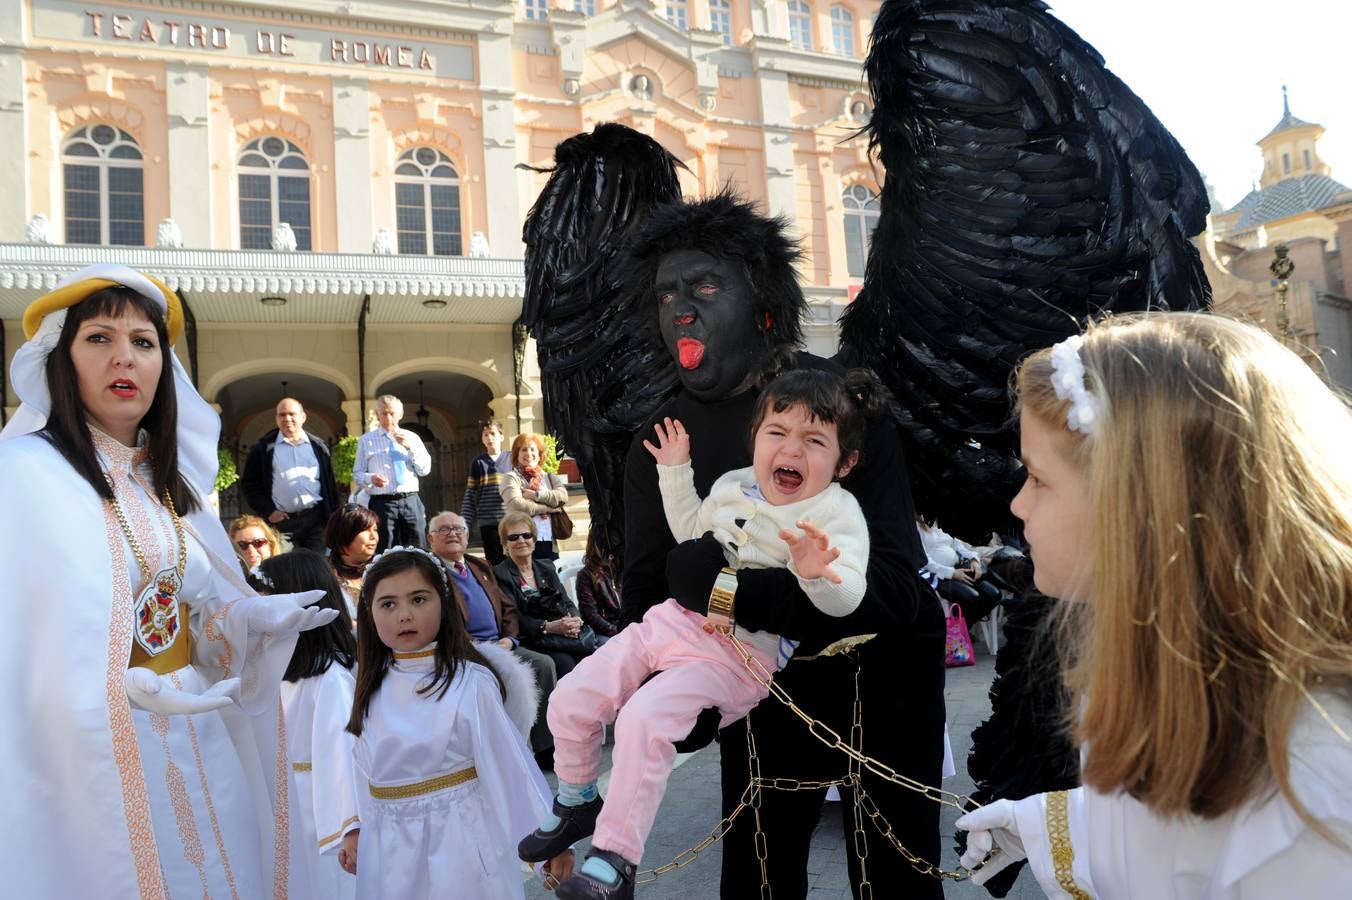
[1068, 382]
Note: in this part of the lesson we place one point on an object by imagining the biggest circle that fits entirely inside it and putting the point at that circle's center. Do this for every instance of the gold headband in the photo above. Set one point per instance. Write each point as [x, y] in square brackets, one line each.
[71, 294]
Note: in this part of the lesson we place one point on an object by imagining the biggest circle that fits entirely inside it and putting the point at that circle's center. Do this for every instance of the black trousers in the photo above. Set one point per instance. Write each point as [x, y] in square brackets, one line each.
[304, 529]
[492, 546]
[903, 725]
[403, 521]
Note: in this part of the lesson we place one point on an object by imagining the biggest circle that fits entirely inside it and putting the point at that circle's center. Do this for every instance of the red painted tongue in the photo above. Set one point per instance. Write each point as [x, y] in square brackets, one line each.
[691, 352]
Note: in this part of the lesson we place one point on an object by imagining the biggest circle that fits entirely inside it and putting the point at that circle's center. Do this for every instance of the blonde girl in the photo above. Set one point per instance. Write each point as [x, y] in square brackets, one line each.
[448, 783]
[1189, 496]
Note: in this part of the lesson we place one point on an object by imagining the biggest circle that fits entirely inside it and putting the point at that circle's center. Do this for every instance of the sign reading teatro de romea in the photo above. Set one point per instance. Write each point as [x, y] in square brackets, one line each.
[140, 29]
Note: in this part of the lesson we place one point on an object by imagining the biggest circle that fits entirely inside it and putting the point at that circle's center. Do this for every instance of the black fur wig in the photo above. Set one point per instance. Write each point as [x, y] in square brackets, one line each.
[729, 228]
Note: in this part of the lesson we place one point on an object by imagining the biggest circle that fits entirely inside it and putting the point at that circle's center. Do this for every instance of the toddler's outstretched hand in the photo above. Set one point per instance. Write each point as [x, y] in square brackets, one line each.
[347, 854]
[558, 869]
[812, 552]
[673, 444]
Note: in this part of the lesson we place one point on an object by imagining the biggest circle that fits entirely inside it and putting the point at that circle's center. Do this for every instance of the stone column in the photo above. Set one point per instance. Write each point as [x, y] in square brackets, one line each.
[14, 202]
[187, 95]
[352, 164]
[352, 413]
[500, 158]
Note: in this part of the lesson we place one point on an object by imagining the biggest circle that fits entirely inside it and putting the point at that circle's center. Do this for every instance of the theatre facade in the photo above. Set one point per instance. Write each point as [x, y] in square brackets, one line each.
[337, 189]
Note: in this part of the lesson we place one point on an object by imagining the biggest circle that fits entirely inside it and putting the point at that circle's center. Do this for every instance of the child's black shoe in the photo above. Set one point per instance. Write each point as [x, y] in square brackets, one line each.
[575, 823]
[586, 886]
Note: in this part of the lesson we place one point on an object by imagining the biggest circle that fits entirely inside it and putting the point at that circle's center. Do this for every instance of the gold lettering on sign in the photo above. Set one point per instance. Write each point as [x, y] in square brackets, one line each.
[337, 50]
[424, 60]
[220, 36]
[120, 24]
[382, 56]
[147, 32]
[95, 22]
[405, 57]
[173, 31]
[361, 52]
[284, 45]
[197, 35]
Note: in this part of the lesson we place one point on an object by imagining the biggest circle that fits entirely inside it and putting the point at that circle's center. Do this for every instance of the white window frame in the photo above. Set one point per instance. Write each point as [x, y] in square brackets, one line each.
[800, 24]
[102, 162]
[720, 19]
[537, 10]
[427, 181]
[861, 211]
[842, 27]
[274, 172]
[678, 14]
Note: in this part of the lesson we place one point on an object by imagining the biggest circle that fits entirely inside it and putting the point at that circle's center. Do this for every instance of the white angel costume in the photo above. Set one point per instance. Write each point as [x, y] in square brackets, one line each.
[324, 804]
[104, 797]
[1084, 843]
[452, 788]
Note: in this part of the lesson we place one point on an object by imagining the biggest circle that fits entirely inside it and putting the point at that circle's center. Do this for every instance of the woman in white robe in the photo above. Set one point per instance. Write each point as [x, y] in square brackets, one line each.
[127, 768]
[1189, 500]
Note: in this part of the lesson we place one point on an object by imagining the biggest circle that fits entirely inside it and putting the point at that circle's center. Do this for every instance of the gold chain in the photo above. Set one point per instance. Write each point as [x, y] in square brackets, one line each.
[864, 805]
[136, 547]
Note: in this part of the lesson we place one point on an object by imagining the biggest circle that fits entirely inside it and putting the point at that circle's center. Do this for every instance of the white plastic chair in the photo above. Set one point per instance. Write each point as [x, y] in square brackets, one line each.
[989, 629]
[568, 575]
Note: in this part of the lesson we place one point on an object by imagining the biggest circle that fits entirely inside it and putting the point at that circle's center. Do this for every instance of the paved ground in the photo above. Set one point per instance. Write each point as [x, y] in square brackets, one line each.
[691, 809]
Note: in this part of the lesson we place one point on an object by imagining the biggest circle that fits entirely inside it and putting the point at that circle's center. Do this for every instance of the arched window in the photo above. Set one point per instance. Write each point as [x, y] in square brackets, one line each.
[678, 13]
[800, 24]
[842, 30]
[274, 187]
[427, 203]
[537, 9]
[104, 187]
[861, 218]
[720, 17]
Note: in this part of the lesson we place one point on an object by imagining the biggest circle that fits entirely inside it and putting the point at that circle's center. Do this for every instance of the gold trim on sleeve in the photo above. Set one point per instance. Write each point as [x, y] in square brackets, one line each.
[351, 820]
[302, 766]
[1063, 852]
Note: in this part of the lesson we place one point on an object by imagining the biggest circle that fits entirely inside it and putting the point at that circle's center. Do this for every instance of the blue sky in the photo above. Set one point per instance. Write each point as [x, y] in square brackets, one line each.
[1212, 71]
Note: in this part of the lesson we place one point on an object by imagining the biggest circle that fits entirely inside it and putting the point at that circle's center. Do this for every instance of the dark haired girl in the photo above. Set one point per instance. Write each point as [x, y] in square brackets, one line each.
[317, 693]
[452, 784]
[351, 536]
[805, 435]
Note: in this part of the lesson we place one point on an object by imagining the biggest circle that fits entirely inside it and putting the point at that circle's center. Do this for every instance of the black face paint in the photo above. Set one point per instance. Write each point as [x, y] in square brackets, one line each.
[706, 312]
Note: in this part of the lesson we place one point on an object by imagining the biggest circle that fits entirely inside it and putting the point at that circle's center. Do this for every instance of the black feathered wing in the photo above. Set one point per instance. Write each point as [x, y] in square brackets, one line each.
[603, 369]
[1026, 191]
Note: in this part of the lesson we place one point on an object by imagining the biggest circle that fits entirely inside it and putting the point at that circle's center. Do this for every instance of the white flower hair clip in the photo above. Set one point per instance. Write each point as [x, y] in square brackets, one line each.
[441, 566]
[1068, 382]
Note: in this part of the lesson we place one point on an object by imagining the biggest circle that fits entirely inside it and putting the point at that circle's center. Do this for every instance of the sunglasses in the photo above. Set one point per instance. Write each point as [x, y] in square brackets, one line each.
[256, 543]
[520, 536]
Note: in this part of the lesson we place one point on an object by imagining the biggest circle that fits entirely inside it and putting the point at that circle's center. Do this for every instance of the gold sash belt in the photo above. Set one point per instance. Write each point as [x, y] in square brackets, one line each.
[418, 789]
[176, 657]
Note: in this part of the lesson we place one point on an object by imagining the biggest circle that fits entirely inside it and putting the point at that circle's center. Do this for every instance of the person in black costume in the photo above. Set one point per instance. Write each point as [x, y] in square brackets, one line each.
[721, 283]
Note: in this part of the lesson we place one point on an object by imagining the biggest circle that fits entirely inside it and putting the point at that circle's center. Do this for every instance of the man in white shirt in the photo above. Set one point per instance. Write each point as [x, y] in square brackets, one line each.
[288, 479]
[389, 462]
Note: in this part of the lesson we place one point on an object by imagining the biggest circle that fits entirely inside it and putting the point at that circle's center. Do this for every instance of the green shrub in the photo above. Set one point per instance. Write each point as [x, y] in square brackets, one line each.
[551, 460]
[226, 473]
[344, 458]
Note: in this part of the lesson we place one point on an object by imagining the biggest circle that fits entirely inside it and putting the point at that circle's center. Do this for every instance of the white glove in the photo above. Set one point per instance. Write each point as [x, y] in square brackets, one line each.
[150, 692]
[288, 613]
[991, 829]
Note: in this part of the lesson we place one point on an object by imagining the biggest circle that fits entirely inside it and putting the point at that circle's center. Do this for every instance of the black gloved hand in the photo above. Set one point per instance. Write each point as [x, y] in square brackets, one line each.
[691, 570]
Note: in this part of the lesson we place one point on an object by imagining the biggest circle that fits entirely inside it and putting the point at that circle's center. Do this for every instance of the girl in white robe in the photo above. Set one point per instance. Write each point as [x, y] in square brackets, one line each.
[317, 692]
[126, 766]
[451, 785]
[1189, 499]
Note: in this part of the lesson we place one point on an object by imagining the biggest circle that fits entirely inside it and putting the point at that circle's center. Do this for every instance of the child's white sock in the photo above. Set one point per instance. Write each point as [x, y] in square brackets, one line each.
[576, 794]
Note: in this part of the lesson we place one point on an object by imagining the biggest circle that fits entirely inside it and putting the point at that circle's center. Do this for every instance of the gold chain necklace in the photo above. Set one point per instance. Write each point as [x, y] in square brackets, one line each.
[155, 612]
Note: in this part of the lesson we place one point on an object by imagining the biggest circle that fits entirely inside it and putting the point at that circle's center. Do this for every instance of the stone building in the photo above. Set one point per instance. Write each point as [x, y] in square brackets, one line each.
[335, 188]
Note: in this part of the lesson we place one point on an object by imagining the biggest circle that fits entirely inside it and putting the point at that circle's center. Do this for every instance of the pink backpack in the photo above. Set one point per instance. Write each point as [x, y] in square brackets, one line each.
[958, 649]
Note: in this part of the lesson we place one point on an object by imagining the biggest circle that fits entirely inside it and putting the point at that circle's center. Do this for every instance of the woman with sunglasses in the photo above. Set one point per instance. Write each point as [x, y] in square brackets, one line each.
[254, 541]
[549, 620]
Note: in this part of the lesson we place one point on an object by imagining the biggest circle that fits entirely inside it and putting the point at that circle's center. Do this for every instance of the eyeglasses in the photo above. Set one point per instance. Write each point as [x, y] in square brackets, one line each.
[448, 530]
[256, 543]
[520, 536]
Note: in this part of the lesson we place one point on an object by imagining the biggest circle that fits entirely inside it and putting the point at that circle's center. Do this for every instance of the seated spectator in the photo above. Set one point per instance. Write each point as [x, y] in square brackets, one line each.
[490, 616]
[549, 621]
[254, 541]
[956, 571]
[351, 536]
[528, 489]
[597, 596]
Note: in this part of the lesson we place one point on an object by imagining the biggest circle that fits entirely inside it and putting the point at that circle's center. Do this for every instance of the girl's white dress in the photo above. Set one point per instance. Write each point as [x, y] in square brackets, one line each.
[421, 840]
[324, 804]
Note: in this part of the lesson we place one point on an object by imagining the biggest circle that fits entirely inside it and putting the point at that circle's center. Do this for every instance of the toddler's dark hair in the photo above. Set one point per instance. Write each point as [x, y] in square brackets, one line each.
[316, 649]
[848, 402]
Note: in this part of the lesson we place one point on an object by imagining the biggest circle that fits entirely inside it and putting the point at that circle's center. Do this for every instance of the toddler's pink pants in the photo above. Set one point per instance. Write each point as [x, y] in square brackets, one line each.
[696, 670]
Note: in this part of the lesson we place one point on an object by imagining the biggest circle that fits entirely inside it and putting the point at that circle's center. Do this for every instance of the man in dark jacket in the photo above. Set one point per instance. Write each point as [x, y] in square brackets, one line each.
[288, 479]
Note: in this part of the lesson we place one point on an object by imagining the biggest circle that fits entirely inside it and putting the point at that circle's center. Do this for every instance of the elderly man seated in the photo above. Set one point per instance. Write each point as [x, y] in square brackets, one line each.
[490, 615]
